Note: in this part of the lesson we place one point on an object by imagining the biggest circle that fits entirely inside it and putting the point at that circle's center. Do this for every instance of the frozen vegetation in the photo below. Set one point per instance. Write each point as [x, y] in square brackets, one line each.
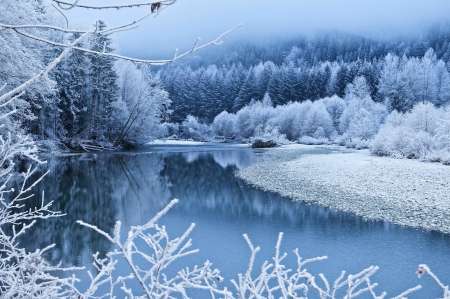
[355, 121]
[67, 87]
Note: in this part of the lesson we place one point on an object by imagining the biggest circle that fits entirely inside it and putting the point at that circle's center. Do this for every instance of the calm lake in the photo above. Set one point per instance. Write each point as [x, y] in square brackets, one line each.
[133, 186]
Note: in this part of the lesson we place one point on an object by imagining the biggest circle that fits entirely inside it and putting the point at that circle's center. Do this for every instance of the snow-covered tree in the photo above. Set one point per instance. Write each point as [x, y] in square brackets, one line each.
[71, 76]
[362, 117]
[318, 123]
[141, 107]
[358, 89]
[335, 107]
[421, 133]
[223, 125]
[103, 87]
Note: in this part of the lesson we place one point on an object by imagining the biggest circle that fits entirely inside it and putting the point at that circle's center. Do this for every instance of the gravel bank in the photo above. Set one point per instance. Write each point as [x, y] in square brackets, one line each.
[405, 192]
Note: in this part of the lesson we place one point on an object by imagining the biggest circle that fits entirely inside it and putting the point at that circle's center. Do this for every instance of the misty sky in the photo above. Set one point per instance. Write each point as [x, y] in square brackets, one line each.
[179, 25]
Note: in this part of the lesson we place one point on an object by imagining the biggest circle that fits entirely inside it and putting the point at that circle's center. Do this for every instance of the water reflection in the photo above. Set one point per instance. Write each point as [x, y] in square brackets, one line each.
[134, 186]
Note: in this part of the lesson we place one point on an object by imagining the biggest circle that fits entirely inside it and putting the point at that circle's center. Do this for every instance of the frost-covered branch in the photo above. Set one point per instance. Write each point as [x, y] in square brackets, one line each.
[153, 5]
[278, 281]
[27, 274]
[424, 269]
[216, 41]
[40, 26]
[154, 259]
[32, 31]
[44, 72]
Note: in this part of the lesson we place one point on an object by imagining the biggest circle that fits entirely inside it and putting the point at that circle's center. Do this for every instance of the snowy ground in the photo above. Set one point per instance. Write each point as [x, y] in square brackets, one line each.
[405, 192]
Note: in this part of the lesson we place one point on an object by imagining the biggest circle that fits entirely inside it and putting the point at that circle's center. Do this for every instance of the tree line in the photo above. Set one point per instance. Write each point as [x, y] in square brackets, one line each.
[403, 80]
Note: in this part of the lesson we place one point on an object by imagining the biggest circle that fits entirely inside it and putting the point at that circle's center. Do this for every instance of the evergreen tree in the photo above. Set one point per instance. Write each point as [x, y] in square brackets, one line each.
[342, 79]
[103, 88]
[71, 76]
[289, 84]
[233, 82]
[276, 88]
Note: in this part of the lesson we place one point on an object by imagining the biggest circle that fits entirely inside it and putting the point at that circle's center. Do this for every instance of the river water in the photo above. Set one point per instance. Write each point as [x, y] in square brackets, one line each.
[133, 186]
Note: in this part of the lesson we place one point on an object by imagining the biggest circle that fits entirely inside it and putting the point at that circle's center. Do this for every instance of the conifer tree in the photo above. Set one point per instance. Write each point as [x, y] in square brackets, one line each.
[71, 76]
[103, 87]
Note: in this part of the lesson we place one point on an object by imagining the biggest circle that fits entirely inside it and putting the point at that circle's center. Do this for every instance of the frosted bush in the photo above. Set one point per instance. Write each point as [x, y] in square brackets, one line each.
[243, 125]
[444, 157]
[420, 144]
[171, 129]
[443, 131]
[335, 107]
[299, 120]
[193, 129]
[401, 142]
[313, 141]
[424, 117]
[283, 117]
[261, 112]
[269, 133]
[363, 125]
[358, 143]
[352, 142]
[223, 124]
[390, 141]
[318, 122]
[361, 120]
[423, 133]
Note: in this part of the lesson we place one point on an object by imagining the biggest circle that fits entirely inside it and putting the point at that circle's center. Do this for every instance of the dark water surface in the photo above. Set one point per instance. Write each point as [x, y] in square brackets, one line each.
[133, 186]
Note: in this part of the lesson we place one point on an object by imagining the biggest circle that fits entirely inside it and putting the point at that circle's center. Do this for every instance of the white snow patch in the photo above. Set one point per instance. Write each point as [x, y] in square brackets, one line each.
[406, 192]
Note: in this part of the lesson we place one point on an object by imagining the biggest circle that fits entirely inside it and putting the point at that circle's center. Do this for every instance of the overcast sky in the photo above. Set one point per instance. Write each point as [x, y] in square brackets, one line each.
[179, 25]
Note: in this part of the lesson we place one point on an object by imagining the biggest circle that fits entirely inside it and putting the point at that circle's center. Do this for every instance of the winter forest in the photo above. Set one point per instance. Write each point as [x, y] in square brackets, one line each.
[69, 92]
[335, 88]
[332, 88]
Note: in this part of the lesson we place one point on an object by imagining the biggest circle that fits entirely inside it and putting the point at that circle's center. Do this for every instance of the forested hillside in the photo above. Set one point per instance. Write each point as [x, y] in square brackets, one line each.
[305, 69]
[333, 87]
[390, 96]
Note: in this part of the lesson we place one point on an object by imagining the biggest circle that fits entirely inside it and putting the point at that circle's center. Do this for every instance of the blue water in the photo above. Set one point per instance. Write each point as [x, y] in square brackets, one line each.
[133, 186]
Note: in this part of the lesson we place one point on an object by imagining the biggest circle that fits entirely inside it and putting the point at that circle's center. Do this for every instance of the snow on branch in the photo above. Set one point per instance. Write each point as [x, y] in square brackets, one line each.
[154, 6]
[216, 41]
[149, 251]
[44, 72]
[27, 274]
[276, 280]
[39, 26]
[159, 253]
[424, 269]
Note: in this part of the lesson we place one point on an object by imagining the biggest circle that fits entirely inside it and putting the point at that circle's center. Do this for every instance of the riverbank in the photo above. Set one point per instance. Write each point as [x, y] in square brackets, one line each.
[404, 192]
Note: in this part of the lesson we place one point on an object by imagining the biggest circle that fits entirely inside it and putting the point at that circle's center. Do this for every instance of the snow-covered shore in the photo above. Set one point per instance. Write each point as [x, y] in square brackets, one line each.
[405, 192]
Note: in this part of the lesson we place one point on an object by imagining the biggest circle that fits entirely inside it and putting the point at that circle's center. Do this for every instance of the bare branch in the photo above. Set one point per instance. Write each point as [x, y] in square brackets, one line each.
[75, 4]
[65, 17]
[145, 61]
[40, 26]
